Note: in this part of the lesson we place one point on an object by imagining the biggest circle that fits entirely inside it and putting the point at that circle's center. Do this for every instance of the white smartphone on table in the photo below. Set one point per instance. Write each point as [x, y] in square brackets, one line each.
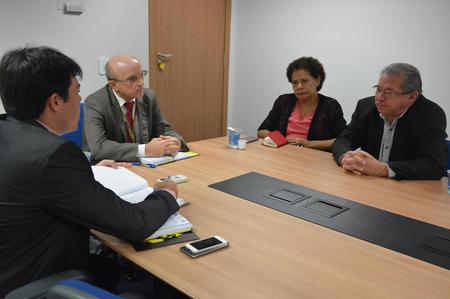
[198, 248]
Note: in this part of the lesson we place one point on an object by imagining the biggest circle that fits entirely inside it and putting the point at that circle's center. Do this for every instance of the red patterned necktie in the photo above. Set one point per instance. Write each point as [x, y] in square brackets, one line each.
[129, 116]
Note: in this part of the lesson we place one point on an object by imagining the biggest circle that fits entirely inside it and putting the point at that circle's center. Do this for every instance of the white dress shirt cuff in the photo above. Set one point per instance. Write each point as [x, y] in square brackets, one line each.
[391, 173]
[141, 151]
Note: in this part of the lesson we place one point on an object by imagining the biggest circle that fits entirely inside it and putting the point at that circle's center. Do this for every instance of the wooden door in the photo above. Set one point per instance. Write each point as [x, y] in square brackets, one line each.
[192, 88]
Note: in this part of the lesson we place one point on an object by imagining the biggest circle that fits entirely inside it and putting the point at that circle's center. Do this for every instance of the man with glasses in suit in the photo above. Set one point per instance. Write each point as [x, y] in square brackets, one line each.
[123, 121]
[397, 133]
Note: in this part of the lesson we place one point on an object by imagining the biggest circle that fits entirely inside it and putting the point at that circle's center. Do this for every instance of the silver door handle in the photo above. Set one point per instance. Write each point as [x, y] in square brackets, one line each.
[163, 56]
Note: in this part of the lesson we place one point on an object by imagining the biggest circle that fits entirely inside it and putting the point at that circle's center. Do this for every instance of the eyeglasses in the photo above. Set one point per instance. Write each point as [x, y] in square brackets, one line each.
[388, 93]
[133, 79]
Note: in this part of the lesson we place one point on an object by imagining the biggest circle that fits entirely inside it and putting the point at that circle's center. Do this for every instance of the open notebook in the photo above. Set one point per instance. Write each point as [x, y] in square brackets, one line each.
[133, 188]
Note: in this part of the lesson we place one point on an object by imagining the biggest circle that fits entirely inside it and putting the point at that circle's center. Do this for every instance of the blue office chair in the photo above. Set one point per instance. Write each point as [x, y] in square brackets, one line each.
[77, 136]
[39, 288]
[70, 284]
[72, 288]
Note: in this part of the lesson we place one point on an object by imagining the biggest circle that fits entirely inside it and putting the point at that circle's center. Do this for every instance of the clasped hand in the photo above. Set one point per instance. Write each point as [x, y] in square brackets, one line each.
[362, 163]
[299, 141]
[163, 145]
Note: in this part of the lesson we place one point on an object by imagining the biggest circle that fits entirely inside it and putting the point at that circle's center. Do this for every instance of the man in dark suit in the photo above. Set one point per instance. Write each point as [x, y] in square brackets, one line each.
[398, 133]
[49, 199]
[122, 120]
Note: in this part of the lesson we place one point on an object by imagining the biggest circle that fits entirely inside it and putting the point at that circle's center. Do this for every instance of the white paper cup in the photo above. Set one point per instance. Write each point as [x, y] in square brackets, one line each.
[242, 143]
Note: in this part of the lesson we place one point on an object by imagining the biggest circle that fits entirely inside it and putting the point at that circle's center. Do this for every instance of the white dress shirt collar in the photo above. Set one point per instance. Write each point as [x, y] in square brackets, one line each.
[121, 100]
[47, 127]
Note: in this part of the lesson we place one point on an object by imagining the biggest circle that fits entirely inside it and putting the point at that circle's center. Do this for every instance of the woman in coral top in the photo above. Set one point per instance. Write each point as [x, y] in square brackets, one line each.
[305, 117]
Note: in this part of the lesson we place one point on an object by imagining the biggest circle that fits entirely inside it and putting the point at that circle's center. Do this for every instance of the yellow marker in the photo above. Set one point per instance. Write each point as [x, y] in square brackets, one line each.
[164, 238]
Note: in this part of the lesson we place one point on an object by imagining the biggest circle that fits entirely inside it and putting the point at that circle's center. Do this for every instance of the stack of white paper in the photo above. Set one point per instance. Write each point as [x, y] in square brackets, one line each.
[133, 188]
[175, 224]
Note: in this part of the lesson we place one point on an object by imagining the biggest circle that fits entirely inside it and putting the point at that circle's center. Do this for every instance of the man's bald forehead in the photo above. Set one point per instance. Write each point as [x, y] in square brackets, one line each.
[118, 62]
[122, 59]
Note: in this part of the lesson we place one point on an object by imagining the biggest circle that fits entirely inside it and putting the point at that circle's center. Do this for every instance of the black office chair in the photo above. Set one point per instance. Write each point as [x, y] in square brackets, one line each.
[71, 284]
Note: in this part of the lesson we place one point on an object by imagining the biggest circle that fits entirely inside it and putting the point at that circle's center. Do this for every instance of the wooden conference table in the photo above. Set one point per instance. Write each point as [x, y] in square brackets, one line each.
[274, 255]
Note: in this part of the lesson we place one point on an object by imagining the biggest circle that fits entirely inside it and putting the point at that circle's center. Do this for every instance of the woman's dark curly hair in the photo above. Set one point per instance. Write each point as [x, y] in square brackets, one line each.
[310, 64]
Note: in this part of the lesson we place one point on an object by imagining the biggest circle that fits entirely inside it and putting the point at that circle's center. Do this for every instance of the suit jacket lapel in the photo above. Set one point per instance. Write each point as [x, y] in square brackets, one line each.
[143, 119]
[374, 133]
[402, 138]
[117, 112]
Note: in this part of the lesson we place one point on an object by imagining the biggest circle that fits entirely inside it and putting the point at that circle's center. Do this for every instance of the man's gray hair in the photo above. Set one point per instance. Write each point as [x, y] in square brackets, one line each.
[412, 80]
[108, 73]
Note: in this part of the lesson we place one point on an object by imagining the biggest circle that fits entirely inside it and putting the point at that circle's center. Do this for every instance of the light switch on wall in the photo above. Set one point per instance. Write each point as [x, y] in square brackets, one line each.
[71, 6]
[101, 65]
[60, 4]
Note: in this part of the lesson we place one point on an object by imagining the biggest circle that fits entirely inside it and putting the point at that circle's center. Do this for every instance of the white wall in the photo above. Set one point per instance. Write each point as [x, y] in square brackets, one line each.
[107, 27]
[354, 39]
